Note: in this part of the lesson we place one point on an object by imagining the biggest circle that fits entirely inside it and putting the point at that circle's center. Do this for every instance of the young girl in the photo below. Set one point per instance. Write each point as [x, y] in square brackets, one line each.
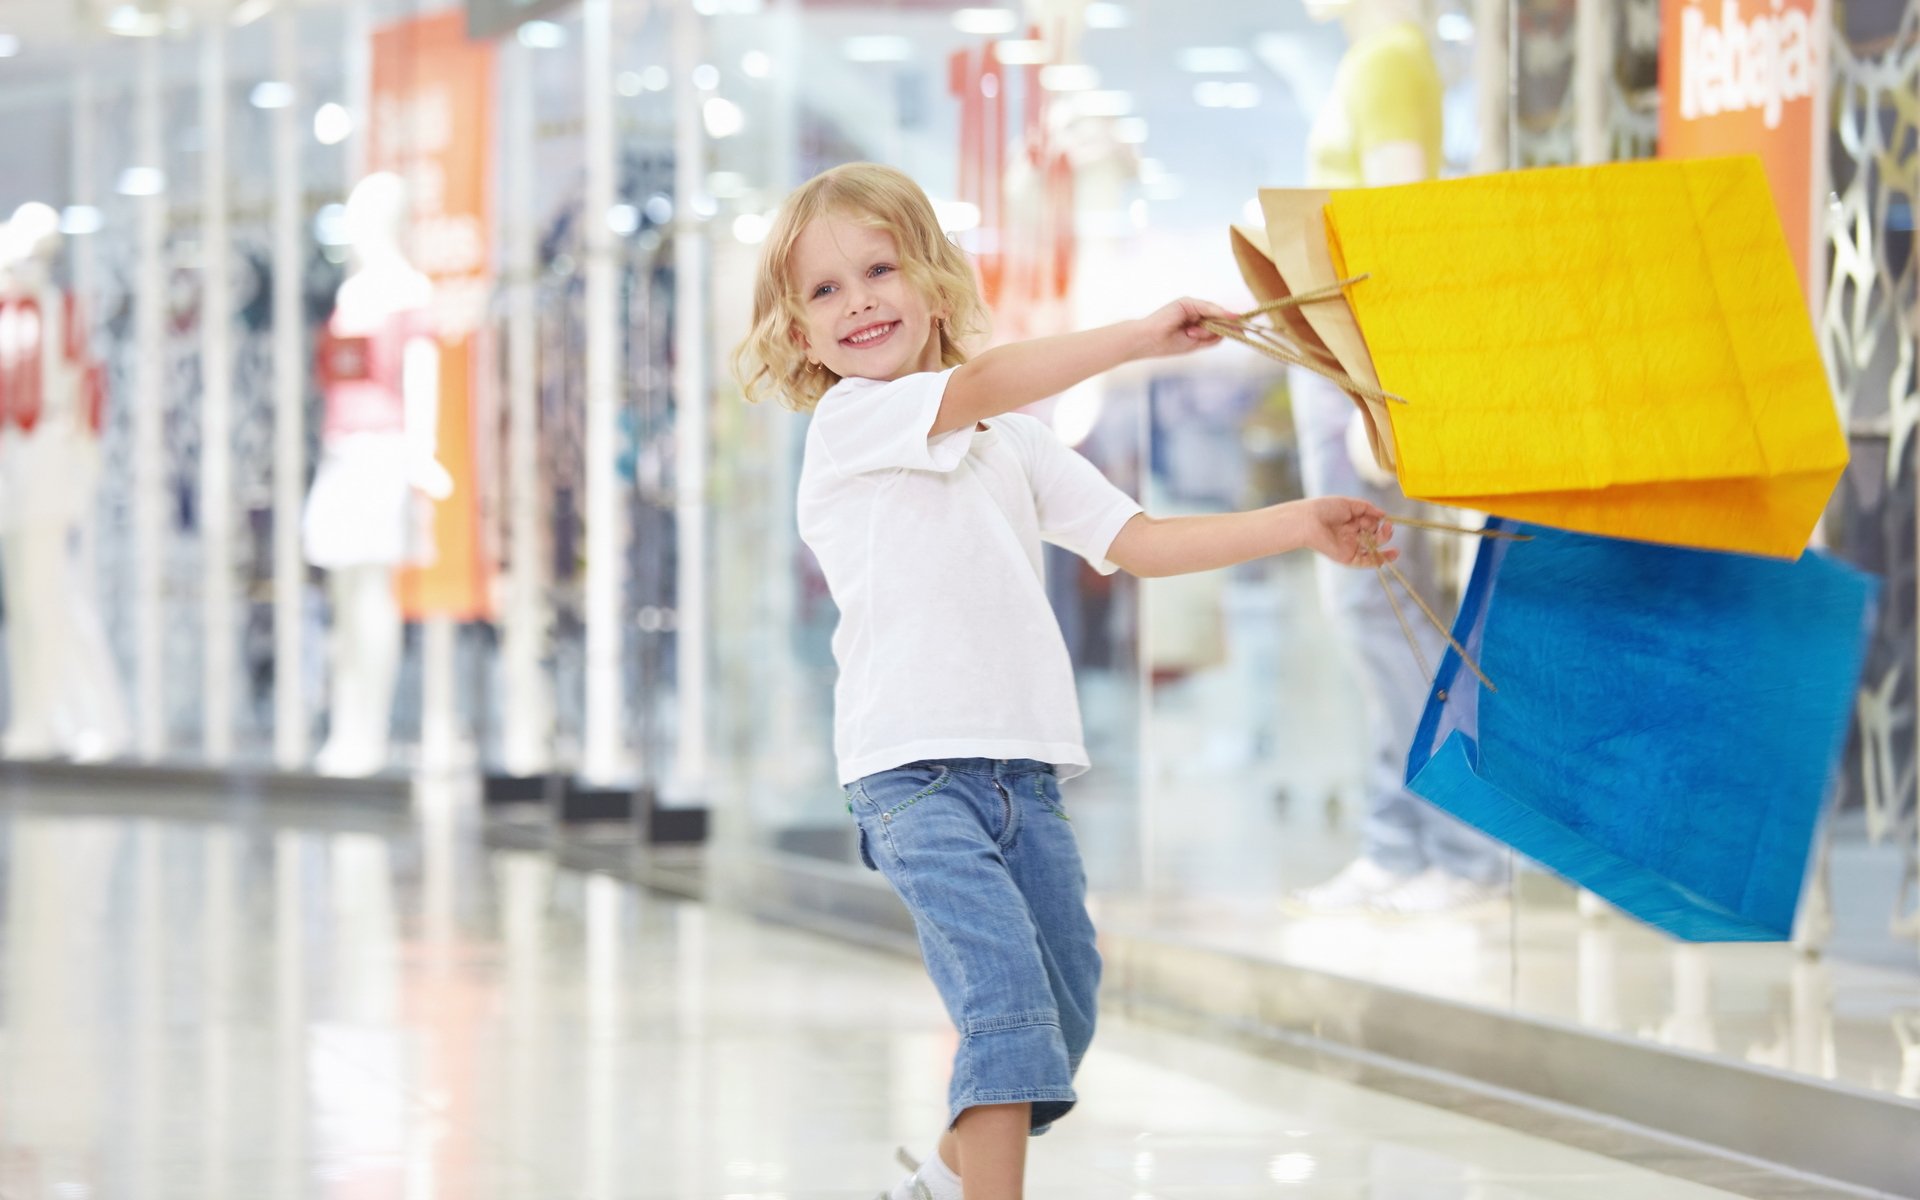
[925, 496]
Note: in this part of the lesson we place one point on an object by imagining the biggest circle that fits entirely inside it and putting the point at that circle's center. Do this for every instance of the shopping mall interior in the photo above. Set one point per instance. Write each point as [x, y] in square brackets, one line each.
[418, 765]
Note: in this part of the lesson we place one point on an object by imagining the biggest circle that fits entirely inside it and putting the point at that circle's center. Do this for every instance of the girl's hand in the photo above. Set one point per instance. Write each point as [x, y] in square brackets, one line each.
[1176, 328]
[1351, 532]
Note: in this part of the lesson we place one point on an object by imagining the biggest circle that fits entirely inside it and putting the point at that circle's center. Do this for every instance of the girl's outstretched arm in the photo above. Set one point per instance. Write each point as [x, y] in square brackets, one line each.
[1351, 532]
[1013, 376]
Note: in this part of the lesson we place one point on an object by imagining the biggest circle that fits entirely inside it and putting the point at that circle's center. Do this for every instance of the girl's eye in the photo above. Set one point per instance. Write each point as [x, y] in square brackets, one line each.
[879, 268]
[822, 290]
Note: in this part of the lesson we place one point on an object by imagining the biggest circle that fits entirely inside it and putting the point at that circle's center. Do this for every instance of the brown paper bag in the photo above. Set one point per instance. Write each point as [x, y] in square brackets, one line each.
[1292, 258]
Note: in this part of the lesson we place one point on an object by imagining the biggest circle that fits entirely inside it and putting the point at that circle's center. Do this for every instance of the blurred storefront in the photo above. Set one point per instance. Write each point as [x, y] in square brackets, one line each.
[616, 590]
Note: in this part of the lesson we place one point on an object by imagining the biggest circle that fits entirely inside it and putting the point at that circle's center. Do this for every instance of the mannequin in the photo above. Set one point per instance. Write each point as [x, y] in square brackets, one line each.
[370, 510]
[1382, 125]
[66, 700]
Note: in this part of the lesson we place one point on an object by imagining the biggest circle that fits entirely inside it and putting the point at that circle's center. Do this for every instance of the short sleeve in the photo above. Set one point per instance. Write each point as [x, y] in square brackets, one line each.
[876, 425]
[1079, 509]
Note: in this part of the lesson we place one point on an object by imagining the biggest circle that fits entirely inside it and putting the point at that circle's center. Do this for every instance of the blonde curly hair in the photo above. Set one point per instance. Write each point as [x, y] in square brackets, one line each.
[772, 359]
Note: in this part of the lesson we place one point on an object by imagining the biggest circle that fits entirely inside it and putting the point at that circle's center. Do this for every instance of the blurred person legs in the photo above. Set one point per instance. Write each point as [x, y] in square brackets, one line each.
[1413, 857]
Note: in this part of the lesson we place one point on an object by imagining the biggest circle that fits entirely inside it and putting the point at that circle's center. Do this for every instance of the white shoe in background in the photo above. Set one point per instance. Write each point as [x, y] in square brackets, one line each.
[1354, 890]
[1434, 892]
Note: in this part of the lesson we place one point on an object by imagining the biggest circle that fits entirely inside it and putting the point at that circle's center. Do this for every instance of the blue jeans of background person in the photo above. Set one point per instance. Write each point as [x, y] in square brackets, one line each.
[984, 857]
[1403, 833]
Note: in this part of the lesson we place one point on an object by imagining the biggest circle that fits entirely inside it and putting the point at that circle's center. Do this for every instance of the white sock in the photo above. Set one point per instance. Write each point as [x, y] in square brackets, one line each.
[939, 1178]
[935, 1176]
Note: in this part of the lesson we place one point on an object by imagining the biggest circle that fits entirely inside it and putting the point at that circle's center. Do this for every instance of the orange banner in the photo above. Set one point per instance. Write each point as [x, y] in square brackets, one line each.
[1742, 77]
[432, 110]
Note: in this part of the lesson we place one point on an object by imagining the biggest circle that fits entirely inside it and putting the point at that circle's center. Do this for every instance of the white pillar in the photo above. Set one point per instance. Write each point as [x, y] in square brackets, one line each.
[1592, 68]
[526, 707]
[86, 191]
[289, 390]
[358, 100]
[605, 759]
[1493, 82]
[216, 407]
[691, 399]
[149, 526]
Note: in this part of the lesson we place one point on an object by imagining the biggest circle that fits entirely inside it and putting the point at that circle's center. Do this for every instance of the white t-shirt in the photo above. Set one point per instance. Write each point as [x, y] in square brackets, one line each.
[931, 546]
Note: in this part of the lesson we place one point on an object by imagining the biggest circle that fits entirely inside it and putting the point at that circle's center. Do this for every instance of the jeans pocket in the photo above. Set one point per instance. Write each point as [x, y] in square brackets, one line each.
[1047, 787]
[887, 794]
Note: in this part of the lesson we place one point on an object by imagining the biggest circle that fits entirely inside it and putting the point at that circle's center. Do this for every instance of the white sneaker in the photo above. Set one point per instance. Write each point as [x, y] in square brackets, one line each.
[1434, 892]
[920, 1183]
[1354, 890]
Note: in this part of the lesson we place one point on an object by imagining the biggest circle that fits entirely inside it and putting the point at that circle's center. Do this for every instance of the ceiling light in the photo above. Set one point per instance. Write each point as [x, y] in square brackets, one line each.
[956, 216]
[1215, 60]
[543, 35]
[129, 20]
[706, 77]
[1131, 131]
[1104, 104]
[80, 219]
[271, 94]
[751, 228]
[1020, 52]
[1102, 15]
[1069, 77]
[655, 79]
[142, 181]
[9, 45]
[332, 124]
[623, 220]
[249, 11]
[722, 117]
[1454, 27]
[756, 64]
[882, 48]
[1216, 93]
[986, 20]
[330, 226]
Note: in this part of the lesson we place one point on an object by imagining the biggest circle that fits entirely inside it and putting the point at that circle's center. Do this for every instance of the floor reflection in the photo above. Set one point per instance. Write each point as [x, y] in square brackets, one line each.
[244, 1010]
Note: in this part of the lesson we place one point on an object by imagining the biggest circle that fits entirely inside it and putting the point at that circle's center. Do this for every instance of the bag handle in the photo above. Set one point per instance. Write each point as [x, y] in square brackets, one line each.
[1383, 569]
[1264, 339]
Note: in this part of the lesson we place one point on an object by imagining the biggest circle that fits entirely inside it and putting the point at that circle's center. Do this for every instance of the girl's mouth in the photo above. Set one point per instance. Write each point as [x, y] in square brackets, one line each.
[872, 335]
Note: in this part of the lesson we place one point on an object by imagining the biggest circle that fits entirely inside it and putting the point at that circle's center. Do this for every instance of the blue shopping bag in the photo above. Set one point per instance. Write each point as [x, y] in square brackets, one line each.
[1666, 726]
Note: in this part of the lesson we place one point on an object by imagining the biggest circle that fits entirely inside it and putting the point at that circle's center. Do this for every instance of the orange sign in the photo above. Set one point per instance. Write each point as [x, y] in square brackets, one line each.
[432, 109]
[1740, 77]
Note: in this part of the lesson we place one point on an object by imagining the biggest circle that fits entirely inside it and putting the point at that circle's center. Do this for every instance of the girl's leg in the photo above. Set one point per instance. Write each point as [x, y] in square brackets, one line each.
[992, 1140]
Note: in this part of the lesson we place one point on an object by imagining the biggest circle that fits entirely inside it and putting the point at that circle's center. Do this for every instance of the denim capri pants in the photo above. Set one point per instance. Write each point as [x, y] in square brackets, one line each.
[982, 854]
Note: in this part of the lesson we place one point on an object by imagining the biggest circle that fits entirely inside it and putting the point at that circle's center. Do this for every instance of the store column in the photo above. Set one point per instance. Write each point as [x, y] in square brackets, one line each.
[149, 526]
[605, 759]
[289, 429]
[691, 399]
[218, 620]
[526, 702]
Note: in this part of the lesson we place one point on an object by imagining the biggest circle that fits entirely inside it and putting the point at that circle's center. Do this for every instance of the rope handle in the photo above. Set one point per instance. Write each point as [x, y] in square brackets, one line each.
[1264, 339]
[1383, 569]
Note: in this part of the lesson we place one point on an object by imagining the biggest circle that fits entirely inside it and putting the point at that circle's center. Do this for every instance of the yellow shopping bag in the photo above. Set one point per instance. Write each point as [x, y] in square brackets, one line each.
[1620, 350]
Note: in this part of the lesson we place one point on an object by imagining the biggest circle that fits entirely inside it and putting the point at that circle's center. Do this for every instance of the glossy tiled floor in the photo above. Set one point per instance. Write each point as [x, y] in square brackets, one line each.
[228, 1003]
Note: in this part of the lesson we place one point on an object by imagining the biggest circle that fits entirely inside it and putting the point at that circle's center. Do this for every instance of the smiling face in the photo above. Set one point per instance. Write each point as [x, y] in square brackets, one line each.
[864, 318]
